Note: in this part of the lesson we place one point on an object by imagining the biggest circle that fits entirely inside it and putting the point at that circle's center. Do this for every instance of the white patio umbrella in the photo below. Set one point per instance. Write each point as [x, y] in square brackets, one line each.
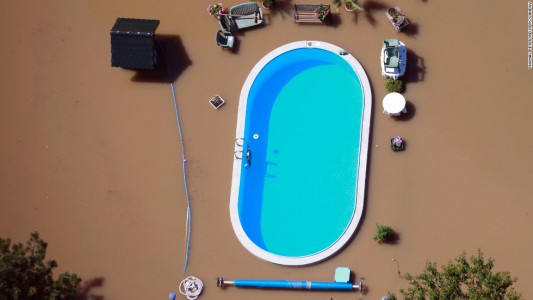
[394, 104]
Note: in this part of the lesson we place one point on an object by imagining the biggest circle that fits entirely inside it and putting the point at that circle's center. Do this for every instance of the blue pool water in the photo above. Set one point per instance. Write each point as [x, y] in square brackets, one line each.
[298, 195]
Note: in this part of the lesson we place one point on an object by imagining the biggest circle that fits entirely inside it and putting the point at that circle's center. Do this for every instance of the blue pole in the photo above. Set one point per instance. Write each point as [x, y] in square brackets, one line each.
[290, 284]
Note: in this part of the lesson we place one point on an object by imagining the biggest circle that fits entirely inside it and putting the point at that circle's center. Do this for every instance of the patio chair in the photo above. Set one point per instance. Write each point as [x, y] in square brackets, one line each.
[225, 40]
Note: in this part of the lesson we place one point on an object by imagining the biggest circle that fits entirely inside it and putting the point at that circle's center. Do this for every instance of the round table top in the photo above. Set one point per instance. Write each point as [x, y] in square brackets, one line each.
[394, 103]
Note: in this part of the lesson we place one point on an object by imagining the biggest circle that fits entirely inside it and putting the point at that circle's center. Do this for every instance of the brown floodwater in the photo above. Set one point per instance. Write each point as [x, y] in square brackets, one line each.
[91, 157]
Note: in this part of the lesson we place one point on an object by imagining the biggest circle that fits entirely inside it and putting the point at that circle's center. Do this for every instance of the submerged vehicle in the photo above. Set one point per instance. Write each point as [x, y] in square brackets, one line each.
[393, 58]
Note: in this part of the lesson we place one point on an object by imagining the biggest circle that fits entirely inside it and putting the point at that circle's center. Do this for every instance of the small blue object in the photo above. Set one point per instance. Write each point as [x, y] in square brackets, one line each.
[172, 296]
[342, 274]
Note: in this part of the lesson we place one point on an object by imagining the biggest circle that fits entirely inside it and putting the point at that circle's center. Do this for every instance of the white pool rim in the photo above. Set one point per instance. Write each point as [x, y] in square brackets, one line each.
[362, 166]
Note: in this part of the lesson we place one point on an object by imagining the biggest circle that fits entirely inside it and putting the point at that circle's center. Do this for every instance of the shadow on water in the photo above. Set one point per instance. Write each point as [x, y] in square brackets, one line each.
[416, 68]
[172, 61]
[411, 29]
[393, 240]
[356, 17]
[411, 112]
[284, 8]
[334, 20]
[365, 290]
[242, 32]
[371, 7]
[236, 46]
[85, 288]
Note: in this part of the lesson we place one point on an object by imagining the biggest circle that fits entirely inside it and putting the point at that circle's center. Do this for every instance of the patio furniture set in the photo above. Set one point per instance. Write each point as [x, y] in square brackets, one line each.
[249, 14]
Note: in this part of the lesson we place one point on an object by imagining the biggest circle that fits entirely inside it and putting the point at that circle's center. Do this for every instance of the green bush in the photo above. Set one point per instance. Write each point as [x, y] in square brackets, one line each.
[383, 233]
[26, 274]
[393, 86]
[467, 279]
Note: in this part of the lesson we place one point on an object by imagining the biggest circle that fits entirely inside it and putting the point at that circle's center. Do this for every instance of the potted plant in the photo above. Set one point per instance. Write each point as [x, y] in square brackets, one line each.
[322, 12]
[397, 144]
[215, 9]
[396, 15]
[217, 101]
[383, 233]
[349, 5]
[268, 4]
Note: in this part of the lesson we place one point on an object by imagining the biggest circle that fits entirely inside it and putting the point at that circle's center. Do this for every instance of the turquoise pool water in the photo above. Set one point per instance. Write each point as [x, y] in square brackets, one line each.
[304, 118]
[298, 195]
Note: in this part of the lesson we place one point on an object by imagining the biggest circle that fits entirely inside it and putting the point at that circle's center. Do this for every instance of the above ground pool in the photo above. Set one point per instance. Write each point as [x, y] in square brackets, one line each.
[300, 153]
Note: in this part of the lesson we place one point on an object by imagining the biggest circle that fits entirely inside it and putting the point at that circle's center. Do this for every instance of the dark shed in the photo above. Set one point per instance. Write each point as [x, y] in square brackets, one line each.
[133, 44]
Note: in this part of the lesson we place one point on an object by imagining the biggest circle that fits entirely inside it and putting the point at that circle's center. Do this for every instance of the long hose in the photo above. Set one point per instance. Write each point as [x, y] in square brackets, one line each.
[183, 161]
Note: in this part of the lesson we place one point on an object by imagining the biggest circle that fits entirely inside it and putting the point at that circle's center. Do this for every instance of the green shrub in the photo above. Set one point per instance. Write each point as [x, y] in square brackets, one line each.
[383, 233]
[26, 274]
[468, 279]
[393, 86]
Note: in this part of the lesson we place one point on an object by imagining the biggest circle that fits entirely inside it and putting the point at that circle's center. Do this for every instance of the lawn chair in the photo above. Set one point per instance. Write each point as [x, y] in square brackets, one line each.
[225, 40]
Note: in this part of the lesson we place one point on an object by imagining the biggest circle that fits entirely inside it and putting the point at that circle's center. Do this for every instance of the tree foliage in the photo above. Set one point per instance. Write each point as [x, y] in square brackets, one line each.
[24, 273]
[472, 279]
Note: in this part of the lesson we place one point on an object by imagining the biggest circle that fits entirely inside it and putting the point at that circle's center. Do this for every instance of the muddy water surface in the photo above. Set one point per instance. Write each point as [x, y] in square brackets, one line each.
[90, 154]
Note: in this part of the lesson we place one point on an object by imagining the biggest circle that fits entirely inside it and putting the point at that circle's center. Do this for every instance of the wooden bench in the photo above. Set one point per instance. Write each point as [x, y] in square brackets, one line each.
[305, 13]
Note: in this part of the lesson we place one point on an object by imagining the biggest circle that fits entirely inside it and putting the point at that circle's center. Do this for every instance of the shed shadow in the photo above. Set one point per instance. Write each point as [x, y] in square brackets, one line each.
[172, 61]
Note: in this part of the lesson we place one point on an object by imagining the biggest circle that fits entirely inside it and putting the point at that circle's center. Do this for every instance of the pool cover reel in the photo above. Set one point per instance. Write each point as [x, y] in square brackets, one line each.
[289, 284]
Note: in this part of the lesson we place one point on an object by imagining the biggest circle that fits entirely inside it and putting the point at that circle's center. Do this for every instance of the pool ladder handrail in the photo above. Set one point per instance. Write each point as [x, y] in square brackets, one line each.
[237, 145]
[241, 144]
[241, 151]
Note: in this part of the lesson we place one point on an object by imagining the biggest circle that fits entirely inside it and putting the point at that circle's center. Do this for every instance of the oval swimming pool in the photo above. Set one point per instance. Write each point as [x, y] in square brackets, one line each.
[300, 154]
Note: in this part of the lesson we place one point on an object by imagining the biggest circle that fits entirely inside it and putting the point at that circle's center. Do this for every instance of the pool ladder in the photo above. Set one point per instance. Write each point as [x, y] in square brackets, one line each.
[241, 144]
